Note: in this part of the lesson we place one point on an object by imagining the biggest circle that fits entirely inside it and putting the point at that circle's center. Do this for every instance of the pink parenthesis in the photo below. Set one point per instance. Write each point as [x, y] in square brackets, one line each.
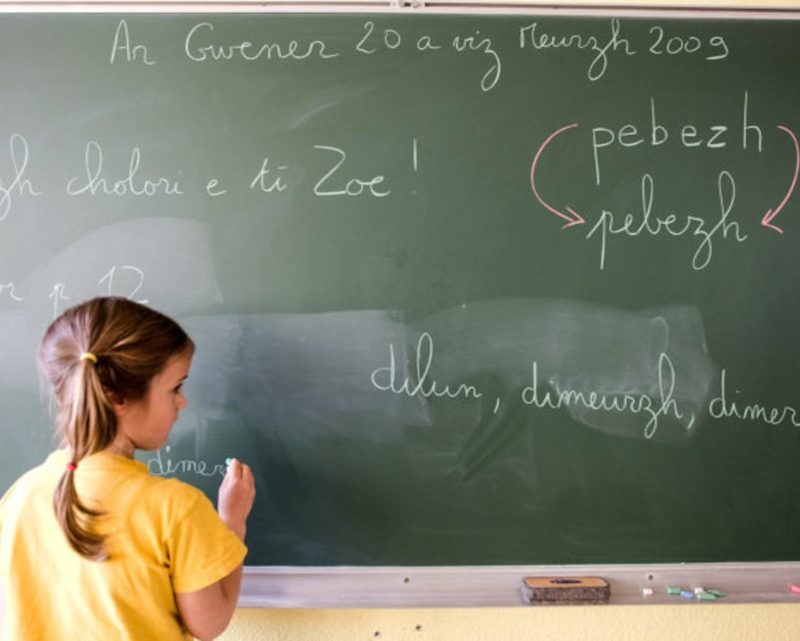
[576, 218]
[766, 221]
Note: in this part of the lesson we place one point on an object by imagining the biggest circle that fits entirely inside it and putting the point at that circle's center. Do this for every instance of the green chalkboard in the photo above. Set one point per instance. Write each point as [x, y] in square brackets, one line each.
[466, 290]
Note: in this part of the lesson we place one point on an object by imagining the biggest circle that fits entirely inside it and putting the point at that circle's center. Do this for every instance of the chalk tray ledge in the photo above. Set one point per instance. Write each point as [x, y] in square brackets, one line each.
[500, 586]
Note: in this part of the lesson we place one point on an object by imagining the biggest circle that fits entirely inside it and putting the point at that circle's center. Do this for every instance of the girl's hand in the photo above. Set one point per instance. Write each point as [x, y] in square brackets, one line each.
[236, 496]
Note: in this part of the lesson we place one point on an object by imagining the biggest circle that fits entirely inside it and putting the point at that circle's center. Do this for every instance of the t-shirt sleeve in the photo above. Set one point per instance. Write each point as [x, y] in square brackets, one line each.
[3, 508]
[202, 550]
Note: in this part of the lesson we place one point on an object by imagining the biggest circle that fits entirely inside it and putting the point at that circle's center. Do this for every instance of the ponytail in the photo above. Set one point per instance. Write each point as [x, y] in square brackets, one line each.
[87, 415]
[102, 349]
[75, 518]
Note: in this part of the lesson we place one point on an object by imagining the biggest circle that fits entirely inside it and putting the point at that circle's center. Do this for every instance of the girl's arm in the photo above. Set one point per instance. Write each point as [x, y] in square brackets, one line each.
[207, 612]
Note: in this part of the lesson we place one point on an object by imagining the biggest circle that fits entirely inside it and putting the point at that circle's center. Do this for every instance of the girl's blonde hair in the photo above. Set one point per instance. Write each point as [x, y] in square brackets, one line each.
[131, 344]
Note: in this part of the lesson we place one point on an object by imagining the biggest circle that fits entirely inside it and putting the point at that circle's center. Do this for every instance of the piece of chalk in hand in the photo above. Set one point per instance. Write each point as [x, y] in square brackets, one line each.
[228, 462]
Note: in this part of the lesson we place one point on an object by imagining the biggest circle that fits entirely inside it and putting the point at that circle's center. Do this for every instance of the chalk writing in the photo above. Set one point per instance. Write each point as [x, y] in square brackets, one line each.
[138, 276]
[389, 379]
[344, 186]
[672, 225]
[376, 40]
[161, 465]
[130, 185]
[712, 48]
[214, 189]
[482, 44]
[571, 216]
[392, 39]
[426, 43]
[120, 280]
[123, 47]
[688, 136]
[19, 186]
[771, 213]
[722, 407]
[266, 183]
[660, 43]
[530, 36]
[10, 290]
[652, 409]
[198, 48]
[58, 296]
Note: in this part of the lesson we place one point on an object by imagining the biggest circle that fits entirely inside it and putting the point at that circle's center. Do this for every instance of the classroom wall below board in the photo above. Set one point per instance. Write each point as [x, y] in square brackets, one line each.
[698, 622]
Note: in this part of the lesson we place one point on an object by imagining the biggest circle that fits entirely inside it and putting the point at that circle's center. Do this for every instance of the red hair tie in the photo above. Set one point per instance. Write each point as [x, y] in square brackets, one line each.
[72, 466]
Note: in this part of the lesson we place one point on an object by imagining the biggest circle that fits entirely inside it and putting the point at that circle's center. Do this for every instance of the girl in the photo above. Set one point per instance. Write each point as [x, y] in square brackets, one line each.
[93, 547]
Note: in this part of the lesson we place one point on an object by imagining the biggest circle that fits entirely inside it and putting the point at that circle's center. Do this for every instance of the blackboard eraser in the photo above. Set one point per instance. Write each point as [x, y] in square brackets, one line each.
[566, 590]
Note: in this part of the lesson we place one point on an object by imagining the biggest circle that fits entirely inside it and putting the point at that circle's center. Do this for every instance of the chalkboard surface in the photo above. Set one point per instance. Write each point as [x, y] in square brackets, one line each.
[466, 289]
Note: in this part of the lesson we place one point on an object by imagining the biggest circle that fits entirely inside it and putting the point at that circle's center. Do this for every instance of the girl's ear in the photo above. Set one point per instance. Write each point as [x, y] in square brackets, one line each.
[119, 403]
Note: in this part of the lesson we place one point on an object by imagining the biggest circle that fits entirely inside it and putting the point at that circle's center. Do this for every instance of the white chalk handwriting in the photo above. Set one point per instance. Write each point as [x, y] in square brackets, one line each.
[94, 182]
[134, 281]
[331, 184]
[9, 290]
[161, 464]
[688, 136]
[266, 181]
[672, 224]
[723, 406]
[602, 47]
[58, 295]
[19, 185]
[651, 408]
[200, 46]
[388, 40]
[392, 379]
[126, 50]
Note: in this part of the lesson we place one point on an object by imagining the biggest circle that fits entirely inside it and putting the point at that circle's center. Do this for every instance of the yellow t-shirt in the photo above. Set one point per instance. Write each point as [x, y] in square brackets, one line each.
[164, 537]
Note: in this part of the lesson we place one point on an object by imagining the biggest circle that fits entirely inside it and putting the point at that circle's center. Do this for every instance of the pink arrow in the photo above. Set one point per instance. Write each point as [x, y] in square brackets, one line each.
[574, 218]
[766, 221]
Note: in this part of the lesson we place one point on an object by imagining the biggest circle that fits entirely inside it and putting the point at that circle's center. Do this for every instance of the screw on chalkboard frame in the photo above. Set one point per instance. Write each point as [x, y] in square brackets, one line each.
[412, 4]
